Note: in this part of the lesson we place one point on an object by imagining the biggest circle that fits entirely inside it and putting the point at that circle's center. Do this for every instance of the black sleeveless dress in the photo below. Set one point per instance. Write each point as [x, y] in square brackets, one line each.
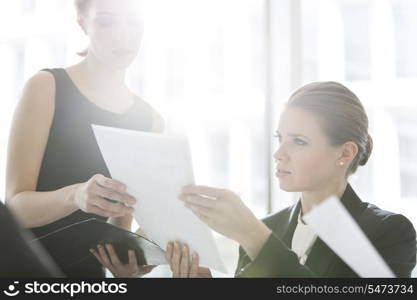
[72, 154]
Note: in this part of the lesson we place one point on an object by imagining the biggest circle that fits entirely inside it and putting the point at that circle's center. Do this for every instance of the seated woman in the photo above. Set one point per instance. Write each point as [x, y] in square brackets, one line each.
[323, 137]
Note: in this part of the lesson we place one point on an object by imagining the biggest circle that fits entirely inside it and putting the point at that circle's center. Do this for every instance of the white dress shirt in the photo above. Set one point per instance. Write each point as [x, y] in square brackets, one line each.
[302, 240]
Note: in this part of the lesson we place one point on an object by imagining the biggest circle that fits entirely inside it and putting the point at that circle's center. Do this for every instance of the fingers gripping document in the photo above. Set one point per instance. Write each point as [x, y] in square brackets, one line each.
[337, 228]
[155, 167]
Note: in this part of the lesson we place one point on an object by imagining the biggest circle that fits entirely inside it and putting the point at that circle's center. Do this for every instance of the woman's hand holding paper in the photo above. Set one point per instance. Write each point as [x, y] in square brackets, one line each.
[93, 197]
[223, 211]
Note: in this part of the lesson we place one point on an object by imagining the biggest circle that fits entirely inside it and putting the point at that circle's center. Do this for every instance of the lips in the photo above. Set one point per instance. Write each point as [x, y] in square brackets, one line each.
[122, 52]
[281, 169]
[282, 172]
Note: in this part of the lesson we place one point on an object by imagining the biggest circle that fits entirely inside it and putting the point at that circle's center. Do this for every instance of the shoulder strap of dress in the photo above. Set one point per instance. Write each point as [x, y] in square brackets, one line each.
[61, 84]
[58, 74]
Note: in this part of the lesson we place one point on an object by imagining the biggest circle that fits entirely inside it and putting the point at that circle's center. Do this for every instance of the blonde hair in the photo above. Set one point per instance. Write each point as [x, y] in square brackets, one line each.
[81, 6]
[342, 114]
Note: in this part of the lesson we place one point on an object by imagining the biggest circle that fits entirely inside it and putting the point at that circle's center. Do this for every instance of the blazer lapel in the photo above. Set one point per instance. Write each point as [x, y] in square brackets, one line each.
[286, 230]
[321, 256]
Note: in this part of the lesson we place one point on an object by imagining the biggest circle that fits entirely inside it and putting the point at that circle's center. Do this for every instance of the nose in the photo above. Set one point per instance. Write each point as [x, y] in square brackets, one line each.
[127, 35]
[281, 153]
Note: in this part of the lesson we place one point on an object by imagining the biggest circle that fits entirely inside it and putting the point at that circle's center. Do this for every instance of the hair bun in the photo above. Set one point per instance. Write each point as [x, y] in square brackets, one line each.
[368, 151]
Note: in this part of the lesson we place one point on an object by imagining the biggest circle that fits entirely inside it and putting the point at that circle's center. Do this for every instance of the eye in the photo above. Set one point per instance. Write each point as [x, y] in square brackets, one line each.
[135, 23]
[299, 142]
[278, 136]
[105, 22]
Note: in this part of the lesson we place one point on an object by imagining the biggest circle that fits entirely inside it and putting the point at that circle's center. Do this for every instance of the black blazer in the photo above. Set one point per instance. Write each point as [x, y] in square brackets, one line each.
[393, 236]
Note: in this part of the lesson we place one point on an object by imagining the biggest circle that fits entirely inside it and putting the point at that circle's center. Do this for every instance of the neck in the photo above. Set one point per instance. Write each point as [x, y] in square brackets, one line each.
[101, 76]
[309, 199]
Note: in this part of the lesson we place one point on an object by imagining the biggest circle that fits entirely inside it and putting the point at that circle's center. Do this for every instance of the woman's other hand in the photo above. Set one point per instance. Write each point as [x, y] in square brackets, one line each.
[178, 257]
[111, 261]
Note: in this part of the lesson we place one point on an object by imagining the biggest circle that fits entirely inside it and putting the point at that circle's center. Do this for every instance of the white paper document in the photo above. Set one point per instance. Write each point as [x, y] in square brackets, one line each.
[155, 167]
[337, 228]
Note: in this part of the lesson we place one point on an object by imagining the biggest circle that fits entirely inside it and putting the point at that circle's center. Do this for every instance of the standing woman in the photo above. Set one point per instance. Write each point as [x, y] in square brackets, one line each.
[56, 175]
[323, 138]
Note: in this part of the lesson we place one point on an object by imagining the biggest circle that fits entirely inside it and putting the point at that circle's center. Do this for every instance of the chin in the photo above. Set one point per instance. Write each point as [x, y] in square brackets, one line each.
[290, 187]
[287, 187]
[118, 62]
[121, 64]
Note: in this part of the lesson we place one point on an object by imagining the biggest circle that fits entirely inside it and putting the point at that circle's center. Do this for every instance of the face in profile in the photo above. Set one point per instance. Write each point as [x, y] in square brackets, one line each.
[305, 159]
[115, 31]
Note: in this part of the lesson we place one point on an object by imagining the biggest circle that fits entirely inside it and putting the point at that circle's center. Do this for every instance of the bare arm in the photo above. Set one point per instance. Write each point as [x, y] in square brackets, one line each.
[27, 143]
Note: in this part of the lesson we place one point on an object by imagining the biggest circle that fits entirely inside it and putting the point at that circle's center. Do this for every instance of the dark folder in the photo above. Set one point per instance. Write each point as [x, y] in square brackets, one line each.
[70, 245]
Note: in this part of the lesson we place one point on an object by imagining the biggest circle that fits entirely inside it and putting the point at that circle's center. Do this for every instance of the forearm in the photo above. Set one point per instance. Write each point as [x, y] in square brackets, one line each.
[35, 209]
[274, 259]
[254, 238]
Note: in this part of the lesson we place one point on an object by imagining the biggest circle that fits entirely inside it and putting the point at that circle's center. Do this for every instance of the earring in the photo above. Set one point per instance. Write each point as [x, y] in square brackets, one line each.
[341, 163]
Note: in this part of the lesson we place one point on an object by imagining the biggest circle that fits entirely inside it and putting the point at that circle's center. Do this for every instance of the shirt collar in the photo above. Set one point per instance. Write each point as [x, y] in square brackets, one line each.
[300, 220]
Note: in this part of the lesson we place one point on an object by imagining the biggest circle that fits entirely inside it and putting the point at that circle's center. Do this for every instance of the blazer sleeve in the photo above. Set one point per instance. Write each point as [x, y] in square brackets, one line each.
[274, 260]
[398, 244]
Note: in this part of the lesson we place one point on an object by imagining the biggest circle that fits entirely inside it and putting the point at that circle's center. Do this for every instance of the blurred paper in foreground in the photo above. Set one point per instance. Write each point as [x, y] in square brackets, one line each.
[336, 227]
[155, 167]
